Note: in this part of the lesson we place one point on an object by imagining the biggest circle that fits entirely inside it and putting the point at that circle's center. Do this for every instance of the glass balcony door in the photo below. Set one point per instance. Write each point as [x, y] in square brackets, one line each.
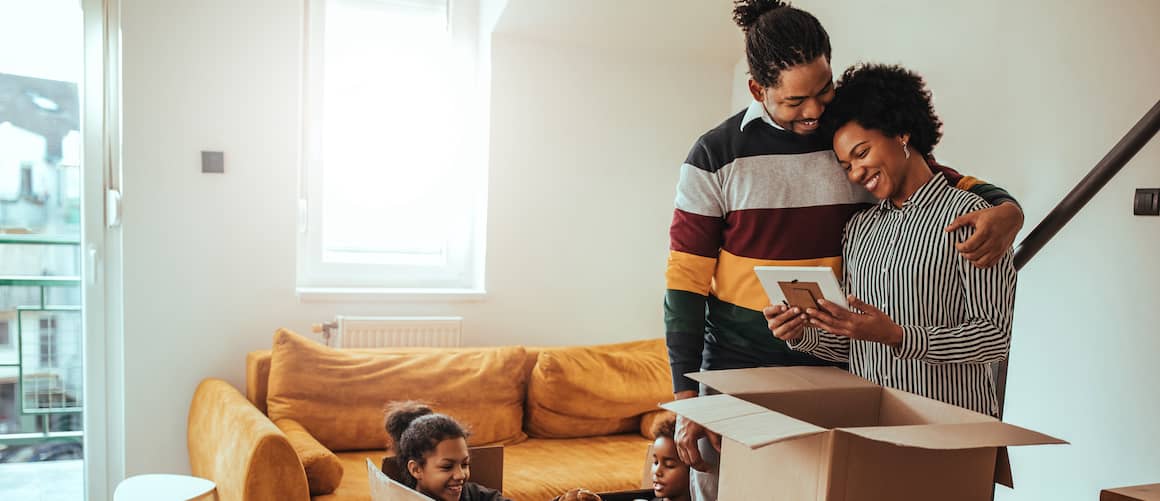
[42, 344]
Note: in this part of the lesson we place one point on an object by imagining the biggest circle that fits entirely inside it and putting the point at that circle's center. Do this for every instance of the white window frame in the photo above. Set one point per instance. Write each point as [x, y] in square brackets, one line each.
[463, 276]
[102, 296]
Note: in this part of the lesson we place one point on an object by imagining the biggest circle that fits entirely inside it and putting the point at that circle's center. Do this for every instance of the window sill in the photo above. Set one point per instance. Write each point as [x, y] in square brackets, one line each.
[375, 294]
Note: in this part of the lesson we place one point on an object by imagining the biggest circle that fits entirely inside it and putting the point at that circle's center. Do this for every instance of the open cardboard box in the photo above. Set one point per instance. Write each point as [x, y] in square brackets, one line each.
[1149, 492]
[386, 485]
[821, 433]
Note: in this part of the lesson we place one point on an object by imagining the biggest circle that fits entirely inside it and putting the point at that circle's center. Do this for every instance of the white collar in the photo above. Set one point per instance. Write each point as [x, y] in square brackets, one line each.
[757, 110]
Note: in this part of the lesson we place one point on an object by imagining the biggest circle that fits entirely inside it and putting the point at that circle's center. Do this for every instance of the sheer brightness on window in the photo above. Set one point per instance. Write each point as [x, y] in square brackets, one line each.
[385, 155]
[392, 196]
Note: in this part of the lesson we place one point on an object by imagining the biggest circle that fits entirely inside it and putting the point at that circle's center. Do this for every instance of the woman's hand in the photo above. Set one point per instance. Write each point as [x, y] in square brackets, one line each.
[869, 325]
[784, 322]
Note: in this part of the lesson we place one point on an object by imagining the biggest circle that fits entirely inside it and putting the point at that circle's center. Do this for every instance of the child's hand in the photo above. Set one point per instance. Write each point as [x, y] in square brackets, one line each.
[579, 494]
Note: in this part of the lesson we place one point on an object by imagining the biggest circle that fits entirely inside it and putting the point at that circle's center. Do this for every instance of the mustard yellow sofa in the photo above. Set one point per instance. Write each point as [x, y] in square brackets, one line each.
[567, 417]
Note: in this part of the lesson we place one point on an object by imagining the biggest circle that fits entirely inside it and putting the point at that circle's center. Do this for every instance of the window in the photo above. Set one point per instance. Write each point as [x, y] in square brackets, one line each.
[5, 336]
[394, 182]
[48, 347]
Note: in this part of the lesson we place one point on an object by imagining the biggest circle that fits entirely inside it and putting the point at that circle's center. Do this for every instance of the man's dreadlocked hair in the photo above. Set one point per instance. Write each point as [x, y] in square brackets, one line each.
[778, 36]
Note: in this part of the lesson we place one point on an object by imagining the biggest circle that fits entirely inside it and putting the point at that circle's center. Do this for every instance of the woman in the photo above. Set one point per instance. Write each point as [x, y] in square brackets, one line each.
[927, 321]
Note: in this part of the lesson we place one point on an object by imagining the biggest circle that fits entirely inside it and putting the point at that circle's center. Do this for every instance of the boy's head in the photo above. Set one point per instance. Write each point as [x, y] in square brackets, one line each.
[431, 450]
[788, 52]
[670, 475]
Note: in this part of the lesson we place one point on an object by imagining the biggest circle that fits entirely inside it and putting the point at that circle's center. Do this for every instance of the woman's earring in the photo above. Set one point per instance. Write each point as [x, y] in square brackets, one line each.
[906, 151]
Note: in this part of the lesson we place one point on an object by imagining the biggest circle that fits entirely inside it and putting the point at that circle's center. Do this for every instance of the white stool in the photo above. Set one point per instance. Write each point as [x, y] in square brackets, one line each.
[165, 487]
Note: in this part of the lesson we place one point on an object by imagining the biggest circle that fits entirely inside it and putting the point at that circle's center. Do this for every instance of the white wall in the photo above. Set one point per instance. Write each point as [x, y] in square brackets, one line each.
[584, 156]
[1033, 94]
[741, 96]
[584, 151]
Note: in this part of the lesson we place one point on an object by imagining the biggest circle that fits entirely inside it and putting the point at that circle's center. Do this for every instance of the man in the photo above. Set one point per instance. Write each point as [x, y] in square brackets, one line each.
[763, 188]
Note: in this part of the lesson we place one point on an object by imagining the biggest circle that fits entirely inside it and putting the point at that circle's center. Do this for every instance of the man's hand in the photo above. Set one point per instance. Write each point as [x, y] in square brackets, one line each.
[870, 325]
[688, 433]
[995, 230]
[785, 323]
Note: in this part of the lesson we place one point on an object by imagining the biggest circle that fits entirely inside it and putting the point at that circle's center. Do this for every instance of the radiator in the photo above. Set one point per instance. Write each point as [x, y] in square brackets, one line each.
[378, 332]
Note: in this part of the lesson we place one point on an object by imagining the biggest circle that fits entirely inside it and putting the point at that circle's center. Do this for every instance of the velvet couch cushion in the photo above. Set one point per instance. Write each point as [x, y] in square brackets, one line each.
[589, 391]
[599, 464]
[339, 396]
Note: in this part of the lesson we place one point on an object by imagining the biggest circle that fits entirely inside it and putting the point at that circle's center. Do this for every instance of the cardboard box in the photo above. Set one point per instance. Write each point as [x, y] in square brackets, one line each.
[1135, 493]
[821, 433]
[386, 485]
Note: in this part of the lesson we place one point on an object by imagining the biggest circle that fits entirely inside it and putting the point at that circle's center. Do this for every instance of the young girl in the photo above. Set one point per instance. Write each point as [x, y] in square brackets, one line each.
[670, 475]
[431, 450]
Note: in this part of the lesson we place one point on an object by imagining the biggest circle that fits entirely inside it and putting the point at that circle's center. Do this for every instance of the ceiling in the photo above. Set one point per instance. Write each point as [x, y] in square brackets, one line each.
[693, 27]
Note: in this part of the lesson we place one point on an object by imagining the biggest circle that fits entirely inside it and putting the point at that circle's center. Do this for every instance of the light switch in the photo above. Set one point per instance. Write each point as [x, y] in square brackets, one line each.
[1147, 202]
[213, 162]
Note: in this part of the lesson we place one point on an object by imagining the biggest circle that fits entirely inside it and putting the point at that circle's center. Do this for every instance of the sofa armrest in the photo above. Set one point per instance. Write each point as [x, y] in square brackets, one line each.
[323, 469]
[258, 377]
[233, 444]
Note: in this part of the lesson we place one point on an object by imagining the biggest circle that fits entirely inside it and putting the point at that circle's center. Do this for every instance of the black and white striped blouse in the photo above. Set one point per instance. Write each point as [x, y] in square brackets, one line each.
[956, 318]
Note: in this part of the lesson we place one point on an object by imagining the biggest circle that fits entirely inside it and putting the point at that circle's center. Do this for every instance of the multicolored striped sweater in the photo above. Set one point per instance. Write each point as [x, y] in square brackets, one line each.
[751, 194]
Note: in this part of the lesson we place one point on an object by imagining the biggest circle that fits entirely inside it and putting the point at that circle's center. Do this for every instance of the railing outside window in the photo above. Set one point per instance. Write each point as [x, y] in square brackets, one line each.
[41, 354]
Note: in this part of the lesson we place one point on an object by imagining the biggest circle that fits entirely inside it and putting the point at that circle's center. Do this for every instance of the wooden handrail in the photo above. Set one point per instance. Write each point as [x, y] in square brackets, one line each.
[1091, 184]
[1104, 171]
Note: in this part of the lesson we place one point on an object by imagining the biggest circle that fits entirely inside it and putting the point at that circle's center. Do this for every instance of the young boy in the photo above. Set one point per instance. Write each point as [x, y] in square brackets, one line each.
[670, 475]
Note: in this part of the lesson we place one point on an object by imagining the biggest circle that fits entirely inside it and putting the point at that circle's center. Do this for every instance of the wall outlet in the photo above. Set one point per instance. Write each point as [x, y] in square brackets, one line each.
[213, 162]
[1147, 202]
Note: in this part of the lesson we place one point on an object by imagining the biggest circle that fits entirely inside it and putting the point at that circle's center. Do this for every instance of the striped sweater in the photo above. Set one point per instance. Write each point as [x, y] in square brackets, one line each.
[752, 194]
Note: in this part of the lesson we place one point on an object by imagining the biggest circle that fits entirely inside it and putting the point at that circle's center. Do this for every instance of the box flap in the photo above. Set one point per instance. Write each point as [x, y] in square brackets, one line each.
[778, 379]
[828, 408]
[1003, 468]
[1134, 493]
[899, 408]
[744, 422]
[384, 489]
[954, 436]
[709, 409]
[646, 476]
